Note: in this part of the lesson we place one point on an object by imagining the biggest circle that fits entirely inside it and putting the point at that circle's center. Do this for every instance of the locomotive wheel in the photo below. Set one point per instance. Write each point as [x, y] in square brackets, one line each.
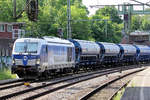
[45, 74]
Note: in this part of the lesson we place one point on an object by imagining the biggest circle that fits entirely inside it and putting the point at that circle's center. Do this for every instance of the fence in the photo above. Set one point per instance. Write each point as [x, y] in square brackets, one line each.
[6, 52]
[5, 61]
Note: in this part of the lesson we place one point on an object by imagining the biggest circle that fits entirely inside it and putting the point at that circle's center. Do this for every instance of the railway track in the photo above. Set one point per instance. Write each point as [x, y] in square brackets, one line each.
[102, 92]
[9, 81]
[117, 90]
[5, 84]
[42, 89]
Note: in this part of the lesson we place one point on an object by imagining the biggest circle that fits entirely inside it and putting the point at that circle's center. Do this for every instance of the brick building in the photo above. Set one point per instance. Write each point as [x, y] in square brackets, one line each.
[11, 30]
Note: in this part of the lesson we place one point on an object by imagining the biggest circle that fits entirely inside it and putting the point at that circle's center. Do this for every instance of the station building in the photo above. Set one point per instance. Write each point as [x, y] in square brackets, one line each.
[139, 37]
[9, 32]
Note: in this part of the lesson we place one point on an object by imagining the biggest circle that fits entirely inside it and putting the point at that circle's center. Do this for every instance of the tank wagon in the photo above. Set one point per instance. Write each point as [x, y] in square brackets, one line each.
[87, 53]
[144, 54]
[38, 57]
[128, 53]
[109, 53]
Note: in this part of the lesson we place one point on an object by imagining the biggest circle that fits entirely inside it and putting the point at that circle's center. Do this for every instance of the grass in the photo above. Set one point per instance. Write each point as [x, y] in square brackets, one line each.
[132, 84]
[119, 94]
[6, 74]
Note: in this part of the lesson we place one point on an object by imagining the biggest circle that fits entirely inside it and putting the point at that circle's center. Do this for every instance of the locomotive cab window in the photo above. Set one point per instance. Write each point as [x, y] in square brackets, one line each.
[26, 47]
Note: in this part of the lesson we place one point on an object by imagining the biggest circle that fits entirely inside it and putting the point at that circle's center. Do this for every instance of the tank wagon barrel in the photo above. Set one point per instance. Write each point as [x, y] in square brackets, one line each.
[144, 54]
[87, 52]
[109, 52]
[129, 52]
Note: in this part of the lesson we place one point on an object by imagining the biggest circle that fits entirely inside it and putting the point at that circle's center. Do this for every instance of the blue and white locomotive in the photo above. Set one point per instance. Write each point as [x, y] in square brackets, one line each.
[35, 57]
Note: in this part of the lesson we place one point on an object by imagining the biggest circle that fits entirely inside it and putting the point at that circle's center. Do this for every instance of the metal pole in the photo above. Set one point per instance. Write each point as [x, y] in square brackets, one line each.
[106, 28]
[14, 15]
[68, 19]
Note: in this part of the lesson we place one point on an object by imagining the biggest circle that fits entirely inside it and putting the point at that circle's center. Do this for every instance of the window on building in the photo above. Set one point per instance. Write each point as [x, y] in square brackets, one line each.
[2, 28]
[9, 28]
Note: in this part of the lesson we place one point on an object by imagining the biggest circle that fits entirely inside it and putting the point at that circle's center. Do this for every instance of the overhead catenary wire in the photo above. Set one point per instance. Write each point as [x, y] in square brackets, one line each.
[141, 2]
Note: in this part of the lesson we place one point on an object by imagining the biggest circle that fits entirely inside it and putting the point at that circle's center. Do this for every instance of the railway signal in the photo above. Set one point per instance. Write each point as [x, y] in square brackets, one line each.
[60, 32]
[31, 9]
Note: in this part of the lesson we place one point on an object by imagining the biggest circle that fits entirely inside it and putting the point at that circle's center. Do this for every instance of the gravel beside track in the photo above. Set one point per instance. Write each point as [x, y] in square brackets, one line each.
[22, 89]
[70, 87]
[7, 86]
[76, 91]
[108, 92]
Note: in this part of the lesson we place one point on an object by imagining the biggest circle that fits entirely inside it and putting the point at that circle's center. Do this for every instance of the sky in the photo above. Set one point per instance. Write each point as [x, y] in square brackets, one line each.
[88, 3]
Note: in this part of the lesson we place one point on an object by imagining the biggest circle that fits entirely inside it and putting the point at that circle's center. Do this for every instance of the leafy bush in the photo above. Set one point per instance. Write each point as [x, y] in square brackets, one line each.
[6, 74]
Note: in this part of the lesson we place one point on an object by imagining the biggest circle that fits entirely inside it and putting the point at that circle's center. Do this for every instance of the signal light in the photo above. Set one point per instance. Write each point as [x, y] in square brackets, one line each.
[126, 17]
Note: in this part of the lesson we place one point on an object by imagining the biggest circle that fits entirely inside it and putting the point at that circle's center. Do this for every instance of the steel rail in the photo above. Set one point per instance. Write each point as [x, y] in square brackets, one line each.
[124, 85]
[11, 86]
[90, 94]
[101, 72]
[4, 82]
[66, 85]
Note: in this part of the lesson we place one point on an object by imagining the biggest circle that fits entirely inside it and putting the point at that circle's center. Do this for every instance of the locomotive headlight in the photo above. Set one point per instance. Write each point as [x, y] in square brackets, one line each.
[13, 61]
[38, 61]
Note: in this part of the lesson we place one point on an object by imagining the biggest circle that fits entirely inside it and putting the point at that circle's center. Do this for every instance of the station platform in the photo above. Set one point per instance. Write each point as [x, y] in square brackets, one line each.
[139, 87]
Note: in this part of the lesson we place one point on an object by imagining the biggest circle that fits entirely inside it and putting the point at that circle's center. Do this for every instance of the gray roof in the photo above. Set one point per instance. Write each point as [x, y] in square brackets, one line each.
[139, 33]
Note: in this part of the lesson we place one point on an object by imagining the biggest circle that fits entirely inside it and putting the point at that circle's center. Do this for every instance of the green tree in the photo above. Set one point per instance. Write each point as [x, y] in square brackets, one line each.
[6, 9]
[110, 12]
[136, 22]
[53, 15]
[145, 23]
[6, 12]
[113, 32]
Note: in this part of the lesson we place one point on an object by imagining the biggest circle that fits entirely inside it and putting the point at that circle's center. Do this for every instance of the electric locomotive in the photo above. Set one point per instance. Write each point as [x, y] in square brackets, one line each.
[34, 57]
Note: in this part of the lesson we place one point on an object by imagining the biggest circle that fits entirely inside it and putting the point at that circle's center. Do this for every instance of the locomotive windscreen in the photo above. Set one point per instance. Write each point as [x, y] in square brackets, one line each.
[26, 47]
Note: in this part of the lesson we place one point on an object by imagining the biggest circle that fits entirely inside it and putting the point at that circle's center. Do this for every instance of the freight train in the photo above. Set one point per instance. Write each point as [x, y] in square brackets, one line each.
[41, 57]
